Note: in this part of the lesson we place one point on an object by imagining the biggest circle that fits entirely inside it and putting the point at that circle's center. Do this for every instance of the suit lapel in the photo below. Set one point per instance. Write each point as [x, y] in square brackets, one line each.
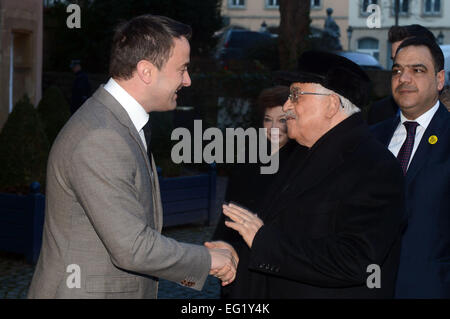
[386, 135]
[157, 204]
[424, 149]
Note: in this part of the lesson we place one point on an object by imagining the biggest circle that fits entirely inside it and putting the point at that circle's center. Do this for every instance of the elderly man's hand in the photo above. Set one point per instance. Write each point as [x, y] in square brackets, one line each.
[223, 263]
[226, 273]
[243, 221]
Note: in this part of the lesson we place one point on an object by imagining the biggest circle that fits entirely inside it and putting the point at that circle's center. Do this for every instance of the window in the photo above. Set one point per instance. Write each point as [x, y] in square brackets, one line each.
[272, 4]
[236, 3]
[365, 4]
[316, 4]
[432, 7]
[369, 46]
[404, 7]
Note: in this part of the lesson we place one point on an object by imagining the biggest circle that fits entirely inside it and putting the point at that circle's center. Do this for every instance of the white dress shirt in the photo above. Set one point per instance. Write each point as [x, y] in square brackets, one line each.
[135, 111]
[400, 133]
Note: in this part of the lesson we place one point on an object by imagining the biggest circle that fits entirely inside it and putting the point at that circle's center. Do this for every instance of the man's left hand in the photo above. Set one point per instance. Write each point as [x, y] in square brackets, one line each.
[243, 221]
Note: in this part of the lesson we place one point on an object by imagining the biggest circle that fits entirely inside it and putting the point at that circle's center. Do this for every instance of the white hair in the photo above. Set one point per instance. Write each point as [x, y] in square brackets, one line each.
[347, 107]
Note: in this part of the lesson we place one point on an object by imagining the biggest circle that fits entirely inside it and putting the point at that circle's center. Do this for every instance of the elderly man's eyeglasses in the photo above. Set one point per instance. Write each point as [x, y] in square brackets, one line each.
[295, 94]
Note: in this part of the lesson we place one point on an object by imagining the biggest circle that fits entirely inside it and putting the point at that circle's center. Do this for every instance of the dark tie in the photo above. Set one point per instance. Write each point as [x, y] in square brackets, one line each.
[405, 152]
[148, 135]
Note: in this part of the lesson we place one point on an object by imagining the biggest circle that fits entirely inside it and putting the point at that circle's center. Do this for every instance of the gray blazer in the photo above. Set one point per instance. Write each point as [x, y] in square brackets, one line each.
[104, 214]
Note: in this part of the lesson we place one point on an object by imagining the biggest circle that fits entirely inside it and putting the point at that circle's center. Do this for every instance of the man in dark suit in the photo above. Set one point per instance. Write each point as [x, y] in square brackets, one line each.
[81, 88]
[420, 138]
[387, 107]
[331, 226]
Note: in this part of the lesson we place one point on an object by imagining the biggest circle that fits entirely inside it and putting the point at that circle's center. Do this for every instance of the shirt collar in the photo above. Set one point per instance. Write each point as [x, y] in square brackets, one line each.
[135, 111]
[425, 119]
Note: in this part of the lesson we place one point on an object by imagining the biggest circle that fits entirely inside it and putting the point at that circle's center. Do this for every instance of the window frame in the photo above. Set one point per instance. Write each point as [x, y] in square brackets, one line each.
[369, 51]
[237, 6]
[401, 13]
[432, 13]
[361, 7]
[272, 6]
[319, 7]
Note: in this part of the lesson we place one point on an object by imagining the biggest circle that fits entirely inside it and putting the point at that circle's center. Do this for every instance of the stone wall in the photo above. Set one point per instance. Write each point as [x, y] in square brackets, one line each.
[21, 25]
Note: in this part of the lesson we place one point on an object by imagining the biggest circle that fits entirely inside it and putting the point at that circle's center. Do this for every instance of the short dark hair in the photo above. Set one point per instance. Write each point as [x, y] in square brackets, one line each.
[400, 33]
[435, 50]
[270, 98]
[273, 96]
[146, 37]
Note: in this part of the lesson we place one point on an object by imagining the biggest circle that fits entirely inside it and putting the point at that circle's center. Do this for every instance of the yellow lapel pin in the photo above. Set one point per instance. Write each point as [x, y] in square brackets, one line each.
[432, 139]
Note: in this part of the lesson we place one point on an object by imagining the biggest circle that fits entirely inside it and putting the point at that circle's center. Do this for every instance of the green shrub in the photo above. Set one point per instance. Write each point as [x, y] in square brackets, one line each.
[54, 112]
[24, 148]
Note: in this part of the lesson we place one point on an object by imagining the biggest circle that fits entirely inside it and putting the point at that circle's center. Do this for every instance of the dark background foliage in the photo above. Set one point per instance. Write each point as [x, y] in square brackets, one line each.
[91, 43]
[24, 149]
[54, 112]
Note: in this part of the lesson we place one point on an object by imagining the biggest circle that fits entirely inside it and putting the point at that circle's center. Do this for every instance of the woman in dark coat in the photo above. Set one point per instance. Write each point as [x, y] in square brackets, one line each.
[248, 187]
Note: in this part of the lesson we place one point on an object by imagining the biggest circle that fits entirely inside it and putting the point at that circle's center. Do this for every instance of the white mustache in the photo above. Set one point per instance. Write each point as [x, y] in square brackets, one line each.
[290, 114]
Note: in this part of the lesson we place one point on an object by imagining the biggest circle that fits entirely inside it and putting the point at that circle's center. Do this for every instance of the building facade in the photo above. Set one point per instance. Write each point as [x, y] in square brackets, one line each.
[251, 14]
[433, 14]
[21, 25]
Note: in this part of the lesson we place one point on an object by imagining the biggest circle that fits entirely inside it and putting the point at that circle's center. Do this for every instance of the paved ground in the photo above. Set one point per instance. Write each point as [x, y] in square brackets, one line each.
[16, 274]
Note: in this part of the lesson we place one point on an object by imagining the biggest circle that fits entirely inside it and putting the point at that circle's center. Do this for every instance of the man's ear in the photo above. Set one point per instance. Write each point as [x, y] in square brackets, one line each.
[333, 106]
[441, 79]
[145, 71]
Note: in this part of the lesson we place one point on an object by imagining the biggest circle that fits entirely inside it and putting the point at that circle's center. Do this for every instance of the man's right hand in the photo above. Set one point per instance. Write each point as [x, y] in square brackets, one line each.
[223, 265]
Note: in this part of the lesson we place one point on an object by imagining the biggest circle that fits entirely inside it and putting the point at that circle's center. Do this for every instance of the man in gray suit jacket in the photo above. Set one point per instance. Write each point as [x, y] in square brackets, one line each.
[102, 232]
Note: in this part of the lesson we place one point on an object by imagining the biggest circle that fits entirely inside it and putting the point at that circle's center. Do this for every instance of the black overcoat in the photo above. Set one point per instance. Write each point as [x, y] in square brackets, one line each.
[335, 212]
[247, 187]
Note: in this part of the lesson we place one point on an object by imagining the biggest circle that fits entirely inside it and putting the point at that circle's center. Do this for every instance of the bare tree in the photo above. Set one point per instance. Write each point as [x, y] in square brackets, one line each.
[294, 30]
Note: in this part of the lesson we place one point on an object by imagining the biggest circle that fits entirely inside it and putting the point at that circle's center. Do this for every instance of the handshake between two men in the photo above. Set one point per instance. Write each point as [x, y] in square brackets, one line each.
[224, 258]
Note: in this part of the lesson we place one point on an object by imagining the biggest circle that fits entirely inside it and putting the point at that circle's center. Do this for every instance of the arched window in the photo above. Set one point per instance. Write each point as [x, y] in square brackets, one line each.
[370, 46]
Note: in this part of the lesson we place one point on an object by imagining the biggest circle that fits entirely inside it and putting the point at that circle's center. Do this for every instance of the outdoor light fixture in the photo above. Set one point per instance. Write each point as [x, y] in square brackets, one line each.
[440, 38]
[263, 27]
[349, 35]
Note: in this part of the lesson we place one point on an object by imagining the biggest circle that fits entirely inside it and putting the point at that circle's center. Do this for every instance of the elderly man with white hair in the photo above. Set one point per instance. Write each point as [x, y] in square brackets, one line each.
[331, 226]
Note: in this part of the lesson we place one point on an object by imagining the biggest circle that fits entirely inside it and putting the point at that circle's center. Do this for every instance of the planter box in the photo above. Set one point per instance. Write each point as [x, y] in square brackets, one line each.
[21, 223]
[189, 199]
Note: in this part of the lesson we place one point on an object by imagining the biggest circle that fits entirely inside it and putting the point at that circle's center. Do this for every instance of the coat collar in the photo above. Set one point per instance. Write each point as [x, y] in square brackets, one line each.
[106, 99]
[330, 151]
[310, 168]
